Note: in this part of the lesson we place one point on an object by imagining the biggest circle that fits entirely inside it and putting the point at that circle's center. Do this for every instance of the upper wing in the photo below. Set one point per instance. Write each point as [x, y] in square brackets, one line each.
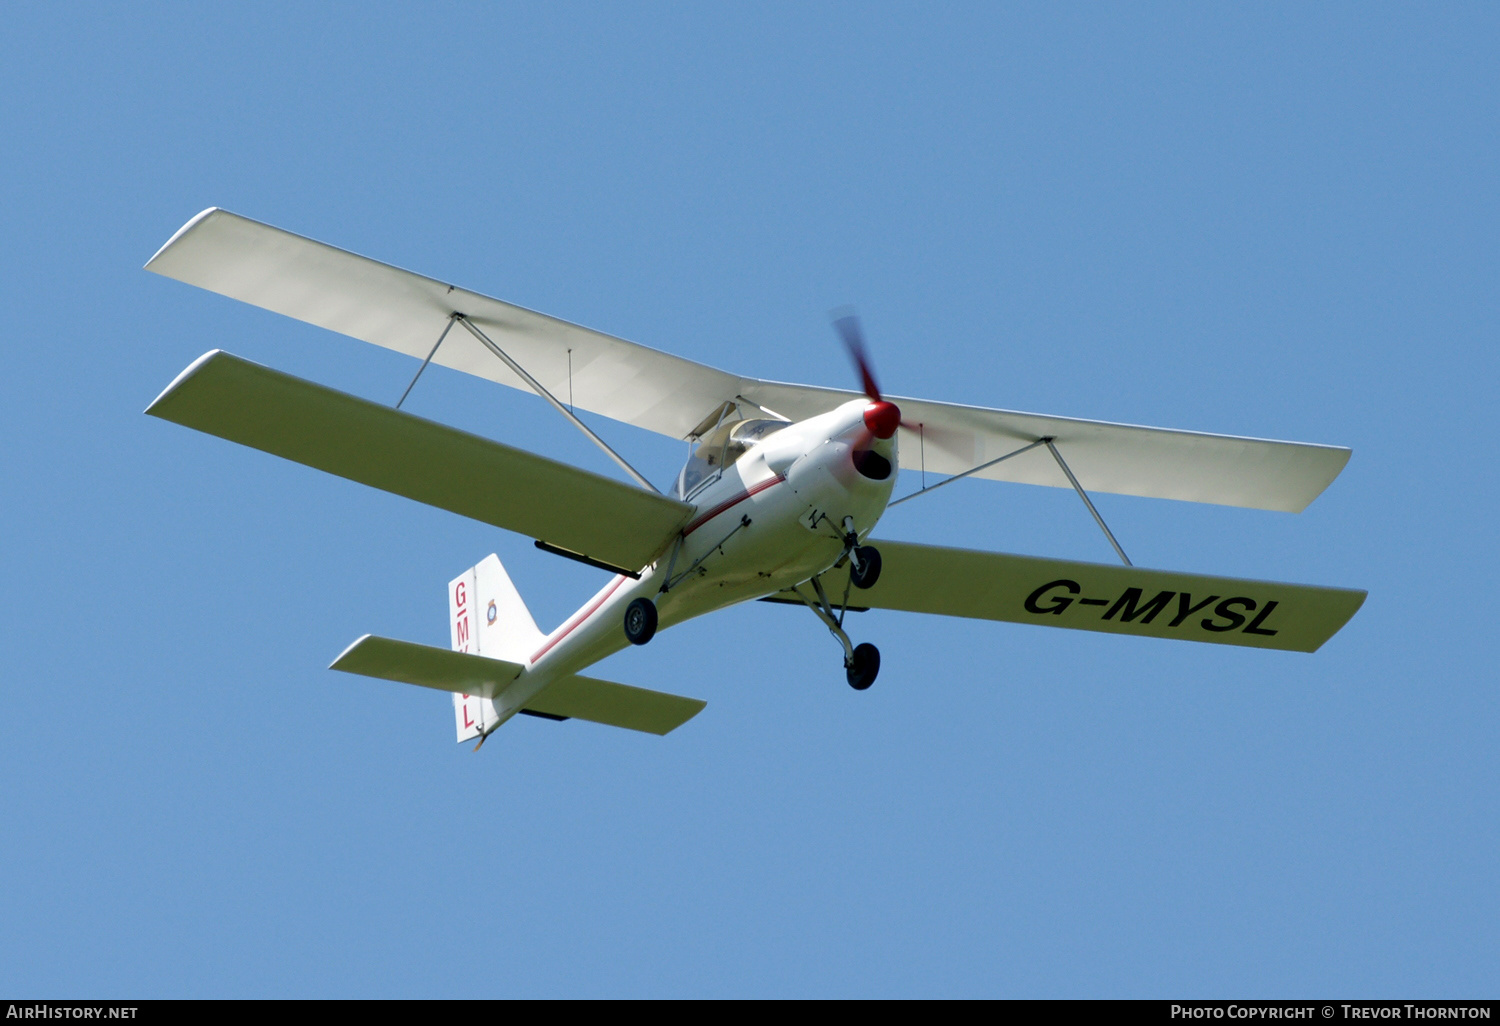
[376, 445]
[353, 295]
[572, 697]
[378, 303]
[1103, 597]
[1126, 459]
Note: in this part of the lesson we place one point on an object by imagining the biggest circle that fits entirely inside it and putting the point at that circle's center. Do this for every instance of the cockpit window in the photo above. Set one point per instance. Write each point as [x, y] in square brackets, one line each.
[752, 431]
[722, 447]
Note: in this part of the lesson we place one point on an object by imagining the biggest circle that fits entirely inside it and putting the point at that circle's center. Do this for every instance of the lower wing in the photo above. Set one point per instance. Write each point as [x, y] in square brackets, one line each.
[620, 525]
[1104, 597]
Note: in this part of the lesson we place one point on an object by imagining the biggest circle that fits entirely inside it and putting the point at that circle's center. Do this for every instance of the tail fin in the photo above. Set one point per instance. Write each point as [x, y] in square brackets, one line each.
[487, 616]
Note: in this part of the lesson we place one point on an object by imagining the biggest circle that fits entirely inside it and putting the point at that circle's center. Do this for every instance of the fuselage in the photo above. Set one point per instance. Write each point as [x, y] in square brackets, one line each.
[770, 521]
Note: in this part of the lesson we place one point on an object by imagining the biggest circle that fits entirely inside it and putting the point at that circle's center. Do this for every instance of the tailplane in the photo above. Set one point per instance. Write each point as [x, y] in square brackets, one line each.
[493, 636]
[482, 678]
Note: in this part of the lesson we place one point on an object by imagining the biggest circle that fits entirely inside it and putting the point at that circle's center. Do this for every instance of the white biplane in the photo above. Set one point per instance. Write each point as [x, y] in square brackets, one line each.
[782, 489]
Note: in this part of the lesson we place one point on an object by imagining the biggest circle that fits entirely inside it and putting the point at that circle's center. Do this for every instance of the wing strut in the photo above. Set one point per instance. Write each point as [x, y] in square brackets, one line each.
[1016, 452]
[539, 390]
[433, 352]
[1085, 497]
[971, 470]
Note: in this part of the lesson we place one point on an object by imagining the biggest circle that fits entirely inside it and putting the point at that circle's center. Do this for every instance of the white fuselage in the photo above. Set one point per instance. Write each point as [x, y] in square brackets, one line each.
[772, 520]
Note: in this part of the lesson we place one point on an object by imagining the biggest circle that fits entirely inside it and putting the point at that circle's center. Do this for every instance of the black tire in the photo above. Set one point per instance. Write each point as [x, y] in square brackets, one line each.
[869, 567]
[865, 668]
[640, 621]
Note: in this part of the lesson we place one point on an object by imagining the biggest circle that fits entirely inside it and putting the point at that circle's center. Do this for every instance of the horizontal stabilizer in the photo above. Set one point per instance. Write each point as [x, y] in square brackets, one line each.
[1104, 597]
[439, 668]
[584, 698]
[377, 445]
[618, 705]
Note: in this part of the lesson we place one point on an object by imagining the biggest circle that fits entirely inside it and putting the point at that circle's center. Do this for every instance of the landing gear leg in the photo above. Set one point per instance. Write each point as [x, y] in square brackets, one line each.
[860, 664]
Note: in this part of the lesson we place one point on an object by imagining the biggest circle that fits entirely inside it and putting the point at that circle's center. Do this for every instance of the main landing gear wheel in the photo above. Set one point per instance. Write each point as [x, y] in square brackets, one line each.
[640, 622]
[864, 667]
[864, 569]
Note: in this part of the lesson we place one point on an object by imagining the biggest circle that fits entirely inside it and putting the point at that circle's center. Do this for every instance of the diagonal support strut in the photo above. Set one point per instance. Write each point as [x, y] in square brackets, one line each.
[971, 470]
[446, 328]
[536, 387]
[1085, 497]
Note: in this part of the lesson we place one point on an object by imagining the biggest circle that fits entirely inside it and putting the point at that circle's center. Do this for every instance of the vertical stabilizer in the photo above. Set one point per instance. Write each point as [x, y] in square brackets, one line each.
[487, 617]
[468, 710]
[505, 627]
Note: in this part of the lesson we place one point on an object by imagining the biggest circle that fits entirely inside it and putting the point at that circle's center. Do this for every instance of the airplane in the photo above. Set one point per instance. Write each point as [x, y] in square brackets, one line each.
[777, 501]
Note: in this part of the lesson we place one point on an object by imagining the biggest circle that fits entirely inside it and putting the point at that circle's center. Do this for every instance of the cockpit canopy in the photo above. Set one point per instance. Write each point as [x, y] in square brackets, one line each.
[722, 447]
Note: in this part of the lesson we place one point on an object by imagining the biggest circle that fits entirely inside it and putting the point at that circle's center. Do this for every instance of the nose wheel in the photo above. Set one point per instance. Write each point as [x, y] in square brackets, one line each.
[864, 566]
[863, 560]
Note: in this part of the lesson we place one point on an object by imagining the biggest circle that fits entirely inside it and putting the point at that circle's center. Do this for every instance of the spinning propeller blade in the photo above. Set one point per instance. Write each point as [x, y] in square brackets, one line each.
[881, 418]
[846, 323]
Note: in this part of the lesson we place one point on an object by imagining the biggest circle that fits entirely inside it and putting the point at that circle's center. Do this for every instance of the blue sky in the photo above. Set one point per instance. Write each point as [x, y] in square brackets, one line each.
[1267, 220]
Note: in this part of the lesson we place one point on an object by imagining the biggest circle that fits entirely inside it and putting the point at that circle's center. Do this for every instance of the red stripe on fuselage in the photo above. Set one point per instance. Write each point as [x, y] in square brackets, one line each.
[727, 503]
[578, 619]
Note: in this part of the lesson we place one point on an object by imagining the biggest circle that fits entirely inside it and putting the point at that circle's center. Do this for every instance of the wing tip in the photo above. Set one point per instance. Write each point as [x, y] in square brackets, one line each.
[177, 382]
[1341, 455]
[193, 222]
